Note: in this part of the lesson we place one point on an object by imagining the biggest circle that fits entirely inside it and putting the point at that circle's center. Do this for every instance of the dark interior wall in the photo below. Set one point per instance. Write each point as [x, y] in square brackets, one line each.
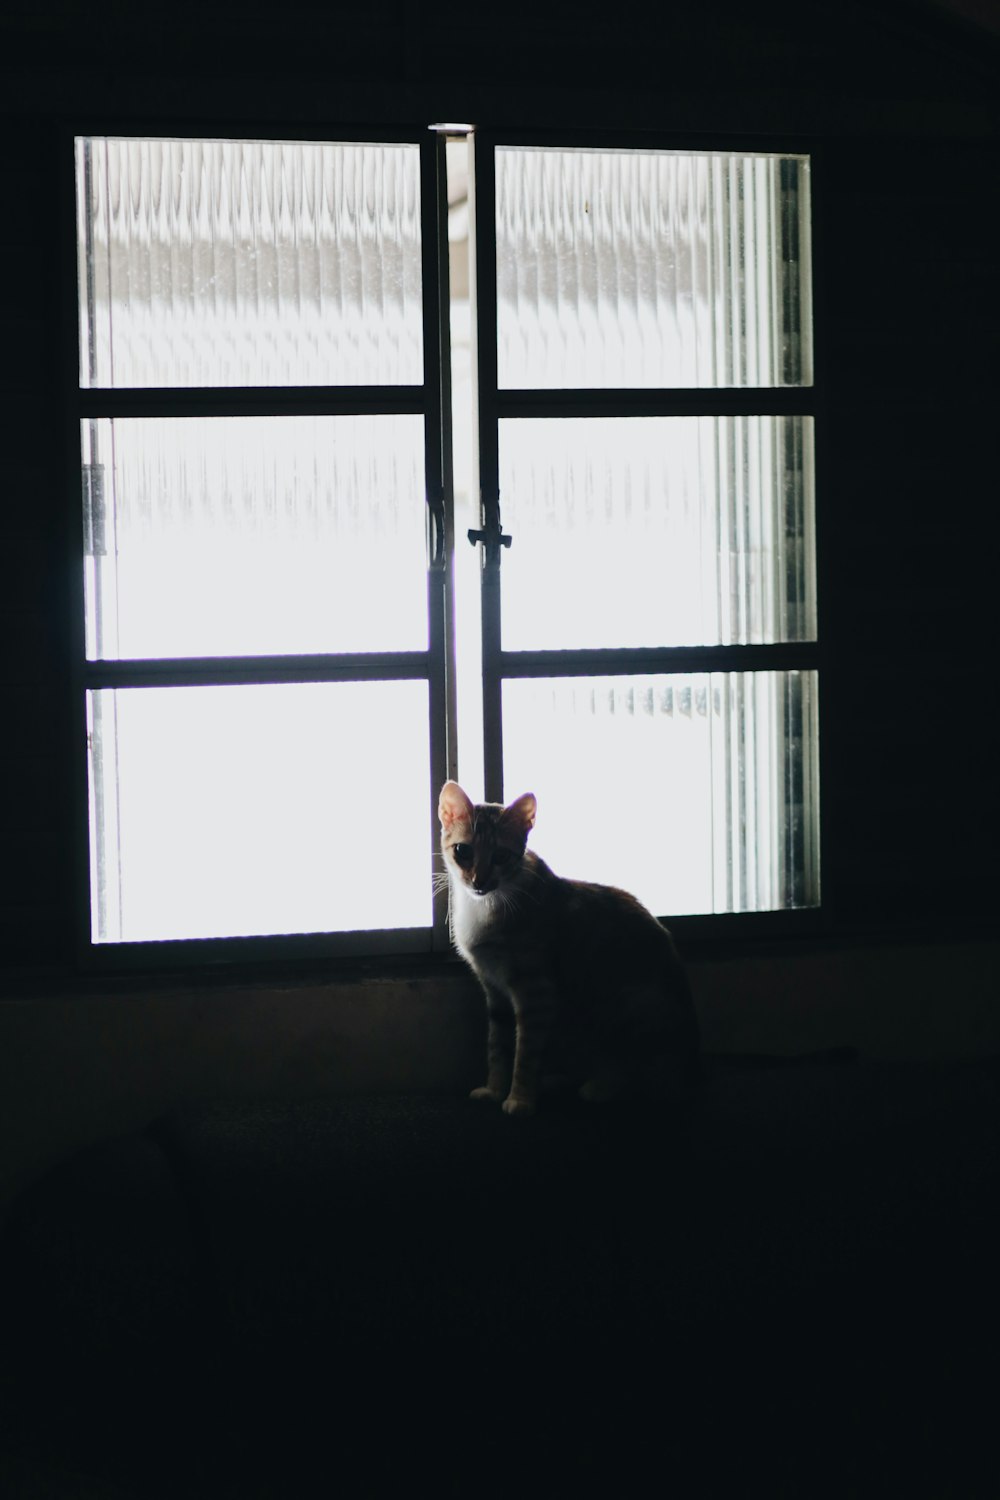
[76, 1069]
[902, 110]
[909, 529]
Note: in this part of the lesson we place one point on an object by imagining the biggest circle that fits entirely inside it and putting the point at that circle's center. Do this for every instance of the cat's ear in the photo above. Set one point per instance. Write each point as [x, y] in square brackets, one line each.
[453, 806]
[521, 813]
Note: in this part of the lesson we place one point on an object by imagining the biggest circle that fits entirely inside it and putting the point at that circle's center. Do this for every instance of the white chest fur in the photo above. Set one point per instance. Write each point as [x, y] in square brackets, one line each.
[487, 930]
[475, 921]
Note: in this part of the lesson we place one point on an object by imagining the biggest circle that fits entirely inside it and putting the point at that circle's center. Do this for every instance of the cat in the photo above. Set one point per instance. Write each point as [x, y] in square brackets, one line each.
[581, 981]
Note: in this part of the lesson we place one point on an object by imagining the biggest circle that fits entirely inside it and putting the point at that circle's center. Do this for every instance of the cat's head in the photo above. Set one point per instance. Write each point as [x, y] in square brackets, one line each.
[483, 845]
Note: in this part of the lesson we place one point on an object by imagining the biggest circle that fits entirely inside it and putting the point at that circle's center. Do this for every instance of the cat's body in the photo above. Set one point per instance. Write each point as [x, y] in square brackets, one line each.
[581, 981]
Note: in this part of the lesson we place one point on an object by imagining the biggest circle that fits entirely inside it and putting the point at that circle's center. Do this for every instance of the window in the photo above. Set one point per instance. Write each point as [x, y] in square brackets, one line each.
[285, 649]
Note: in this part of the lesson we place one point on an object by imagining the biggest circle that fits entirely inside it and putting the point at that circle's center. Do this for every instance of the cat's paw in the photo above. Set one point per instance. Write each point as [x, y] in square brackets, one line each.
[520, 1107]
[488, 1094]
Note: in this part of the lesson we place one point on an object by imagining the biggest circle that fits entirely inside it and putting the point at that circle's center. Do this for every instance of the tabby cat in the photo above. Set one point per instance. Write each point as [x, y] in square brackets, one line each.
[582, 983]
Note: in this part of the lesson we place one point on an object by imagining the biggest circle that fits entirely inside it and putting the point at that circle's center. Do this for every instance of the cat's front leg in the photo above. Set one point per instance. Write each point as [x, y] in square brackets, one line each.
[534, 1012]
[499, 1046]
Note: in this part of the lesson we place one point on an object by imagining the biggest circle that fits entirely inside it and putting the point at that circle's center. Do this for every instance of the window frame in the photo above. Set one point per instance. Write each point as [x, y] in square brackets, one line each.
[430, 399]
[494, 404]
[389, 948]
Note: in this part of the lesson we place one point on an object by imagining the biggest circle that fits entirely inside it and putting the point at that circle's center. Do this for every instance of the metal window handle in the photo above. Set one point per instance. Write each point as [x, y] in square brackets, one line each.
[492, 538]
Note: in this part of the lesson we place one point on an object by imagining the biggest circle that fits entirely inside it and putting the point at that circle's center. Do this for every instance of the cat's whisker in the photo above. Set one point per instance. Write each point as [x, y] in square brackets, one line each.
[508, 901]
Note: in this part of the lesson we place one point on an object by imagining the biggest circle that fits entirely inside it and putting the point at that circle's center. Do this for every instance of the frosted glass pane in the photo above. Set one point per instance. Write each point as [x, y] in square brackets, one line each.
[224, 811]
[657, 531]
[228, 263]
[697, 792]
[652, 268]
[246, 535]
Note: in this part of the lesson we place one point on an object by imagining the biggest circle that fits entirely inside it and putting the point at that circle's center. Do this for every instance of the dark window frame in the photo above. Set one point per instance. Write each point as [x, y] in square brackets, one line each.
[388, 949]
[429, 400]
[495, 404]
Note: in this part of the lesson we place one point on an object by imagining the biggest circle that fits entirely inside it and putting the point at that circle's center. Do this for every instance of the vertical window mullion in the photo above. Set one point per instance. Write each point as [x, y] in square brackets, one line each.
[483, 225]
[439, 492]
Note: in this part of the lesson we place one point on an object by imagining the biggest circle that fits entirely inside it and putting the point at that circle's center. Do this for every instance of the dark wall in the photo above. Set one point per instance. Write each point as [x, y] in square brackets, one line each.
[913, 330]
[901, 109]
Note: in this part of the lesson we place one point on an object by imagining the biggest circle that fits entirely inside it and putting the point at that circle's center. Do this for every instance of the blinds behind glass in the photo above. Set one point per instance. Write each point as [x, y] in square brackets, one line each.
[646, 269]
[237, 263]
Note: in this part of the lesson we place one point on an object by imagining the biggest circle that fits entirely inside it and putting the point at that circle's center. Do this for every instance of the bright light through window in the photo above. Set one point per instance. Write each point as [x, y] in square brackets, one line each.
[239, 536]
[248, 263]
[223, 534]
[241, 810]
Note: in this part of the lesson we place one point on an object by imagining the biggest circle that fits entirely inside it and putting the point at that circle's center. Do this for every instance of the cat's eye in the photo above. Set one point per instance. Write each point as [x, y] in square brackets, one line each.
[463, 854]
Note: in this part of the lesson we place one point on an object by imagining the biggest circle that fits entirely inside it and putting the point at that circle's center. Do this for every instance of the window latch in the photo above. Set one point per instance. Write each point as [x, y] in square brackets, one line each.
[492, 537]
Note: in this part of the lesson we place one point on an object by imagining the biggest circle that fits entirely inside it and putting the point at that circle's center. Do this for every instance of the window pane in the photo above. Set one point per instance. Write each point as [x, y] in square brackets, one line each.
[236, 536]
[287, 808]
[646, 268]
[657, 532]
[697, 792]
[229, 263]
